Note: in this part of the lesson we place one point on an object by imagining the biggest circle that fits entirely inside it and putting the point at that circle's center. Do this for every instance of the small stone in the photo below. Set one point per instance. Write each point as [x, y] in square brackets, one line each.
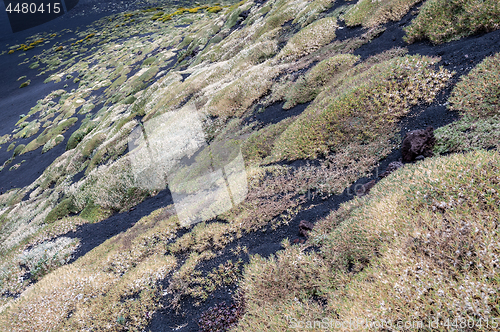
[304, 227]
[418, 142]
[365, 189]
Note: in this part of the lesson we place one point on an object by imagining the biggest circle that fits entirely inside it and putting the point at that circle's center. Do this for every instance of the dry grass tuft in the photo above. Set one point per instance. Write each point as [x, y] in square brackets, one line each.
[371, 13]
[476, 97]
[309, 39]
[444, 20]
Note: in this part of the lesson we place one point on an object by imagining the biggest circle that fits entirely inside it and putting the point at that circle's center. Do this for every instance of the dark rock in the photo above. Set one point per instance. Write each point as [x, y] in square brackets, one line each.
[221, 317]
[304, 227]
[391, 168]
[365, 189]
[418, 142]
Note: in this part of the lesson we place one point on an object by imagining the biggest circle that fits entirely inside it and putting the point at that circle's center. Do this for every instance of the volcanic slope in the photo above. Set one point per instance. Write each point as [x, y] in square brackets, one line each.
[317, 96]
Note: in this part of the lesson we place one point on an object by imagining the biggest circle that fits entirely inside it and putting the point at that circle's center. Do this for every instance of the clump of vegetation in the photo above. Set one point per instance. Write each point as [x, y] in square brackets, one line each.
[476, 97]
[79, 134]
[309, 39]
[214, 9]
[477, 93]
[62, 210]
[408, 250]
[47, 256]
[468, 133]
[18, 150]
[52, 143]
[51, 132]
[310, 85]
[221, 317]
[93, 143]
[384, 91]
[11, 146]
[444, 20]
[126, 270]
[259, 145]
[371, 13]
[25, 84]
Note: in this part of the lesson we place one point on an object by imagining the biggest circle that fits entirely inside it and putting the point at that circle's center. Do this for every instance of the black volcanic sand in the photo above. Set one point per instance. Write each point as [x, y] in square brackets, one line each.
[460, 56]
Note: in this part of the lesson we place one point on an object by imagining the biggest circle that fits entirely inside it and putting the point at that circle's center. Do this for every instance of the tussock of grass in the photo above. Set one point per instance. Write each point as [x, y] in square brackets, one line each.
[477, 93]
[444, 20]
[238, 96]
[310, 85]
[371, 13]
[476, 98]
[61, 210]
[93, 143]
[309, 39]
[468, 133]
[18, 150]
[50, 133]
[362, 108]
[258, 146]
[423, 242]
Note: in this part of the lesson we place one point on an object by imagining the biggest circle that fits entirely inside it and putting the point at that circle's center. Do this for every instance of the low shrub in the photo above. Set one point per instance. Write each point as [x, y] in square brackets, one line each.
[370, 13]
[361, 107]
[93, 143]
[18, 150]
[423, 242]
[310, 85]
[309, 39]
[444, 20]
[478, 93]
[61, 210]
